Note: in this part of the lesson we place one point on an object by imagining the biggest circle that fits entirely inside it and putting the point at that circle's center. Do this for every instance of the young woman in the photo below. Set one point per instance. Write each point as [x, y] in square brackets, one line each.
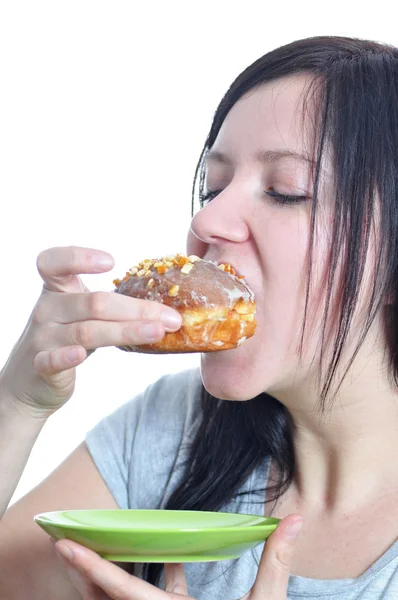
[298, 183]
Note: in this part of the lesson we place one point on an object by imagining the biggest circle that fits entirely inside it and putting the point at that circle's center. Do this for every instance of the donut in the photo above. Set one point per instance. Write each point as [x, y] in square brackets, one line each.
[217, 307]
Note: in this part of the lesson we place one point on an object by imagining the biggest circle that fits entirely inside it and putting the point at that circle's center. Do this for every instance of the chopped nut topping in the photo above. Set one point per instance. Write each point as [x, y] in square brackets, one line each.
[173, 291]
[150, 283]
[185, 263]
[229, 269]
[187, 268]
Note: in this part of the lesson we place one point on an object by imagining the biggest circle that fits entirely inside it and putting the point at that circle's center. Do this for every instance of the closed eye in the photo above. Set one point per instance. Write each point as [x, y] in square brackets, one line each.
[277, 197]
[285, 198]
[208, 197]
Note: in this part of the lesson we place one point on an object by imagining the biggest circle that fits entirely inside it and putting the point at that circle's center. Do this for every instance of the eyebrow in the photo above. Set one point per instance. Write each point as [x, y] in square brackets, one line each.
[261, 156]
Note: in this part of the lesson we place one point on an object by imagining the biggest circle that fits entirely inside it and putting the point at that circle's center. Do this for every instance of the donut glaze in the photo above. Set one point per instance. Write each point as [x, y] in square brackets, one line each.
[217, 307]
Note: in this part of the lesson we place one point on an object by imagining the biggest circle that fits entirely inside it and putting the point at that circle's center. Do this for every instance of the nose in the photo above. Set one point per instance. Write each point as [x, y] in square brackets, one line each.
[220, 221]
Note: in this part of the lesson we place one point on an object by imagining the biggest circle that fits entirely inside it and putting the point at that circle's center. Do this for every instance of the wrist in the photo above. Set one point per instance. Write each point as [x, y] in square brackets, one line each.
[13, 409]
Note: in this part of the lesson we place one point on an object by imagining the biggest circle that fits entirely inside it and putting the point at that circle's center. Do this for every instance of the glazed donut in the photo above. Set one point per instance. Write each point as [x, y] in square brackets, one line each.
[217, 307]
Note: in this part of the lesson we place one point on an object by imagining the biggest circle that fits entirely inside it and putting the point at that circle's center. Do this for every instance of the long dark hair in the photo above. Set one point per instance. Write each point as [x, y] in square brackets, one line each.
[354, 88]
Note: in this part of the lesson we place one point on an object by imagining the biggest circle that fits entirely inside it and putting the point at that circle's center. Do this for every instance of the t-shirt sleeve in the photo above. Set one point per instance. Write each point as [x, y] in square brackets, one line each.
[141, 447]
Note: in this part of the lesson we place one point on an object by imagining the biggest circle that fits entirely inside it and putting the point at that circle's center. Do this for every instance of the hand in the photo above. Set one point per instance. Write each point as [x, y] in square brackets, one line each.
[98, 579]
[67, 323]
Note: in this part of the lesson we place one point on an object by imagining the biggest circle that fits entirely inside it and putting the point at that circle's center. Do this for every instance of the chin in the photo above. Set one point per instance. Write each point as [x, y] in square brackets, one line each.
[232, 374]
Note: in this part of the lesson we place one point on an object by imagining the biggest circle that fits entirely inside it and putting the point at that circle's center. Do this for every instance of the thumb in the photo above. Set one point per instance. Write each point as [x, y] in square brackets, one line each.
[175, 580]
[276, 561]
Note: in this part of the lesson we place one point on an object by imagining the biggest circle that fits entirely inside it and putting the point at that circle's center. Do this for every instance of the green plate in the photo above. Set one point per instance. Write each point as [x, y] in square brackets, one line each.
[159, 535]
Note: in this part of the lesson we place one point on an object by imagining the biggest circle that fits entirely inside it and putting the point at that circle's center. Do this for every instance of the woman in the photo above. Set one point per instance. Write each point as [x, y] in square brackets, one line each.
[299, 186]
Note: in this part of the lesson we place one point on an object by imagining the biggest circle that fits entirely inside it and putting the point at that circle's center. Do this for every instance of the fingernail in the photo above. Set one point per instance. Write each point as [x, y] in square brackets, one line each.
[65, 552]
[293, 529]
[72, 354]
[103, 260]
[170, 319]
[151, 332]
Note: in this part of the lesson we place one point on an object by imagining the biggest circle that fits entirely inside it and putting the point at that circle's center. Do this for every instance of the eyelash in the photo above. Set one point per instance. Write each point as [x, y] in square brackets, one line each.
[208, 197]
[277, 197]
[285, 198]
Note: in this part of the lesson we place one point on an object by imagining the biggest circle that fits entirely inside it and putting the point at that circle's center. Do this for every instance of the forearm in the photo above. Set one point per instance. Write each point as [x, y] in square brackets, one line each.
[18, 432]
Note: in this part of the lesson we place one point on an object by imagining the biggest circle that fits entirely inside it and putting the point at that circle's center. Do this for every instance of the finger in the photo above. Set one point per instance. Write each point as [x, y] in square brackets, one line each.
[87, 590]
[175, 580]
[115, 582]
[104, 306]
[99, 334]
[90, 335]
[59, 267]
[48, 363]
[275, 565]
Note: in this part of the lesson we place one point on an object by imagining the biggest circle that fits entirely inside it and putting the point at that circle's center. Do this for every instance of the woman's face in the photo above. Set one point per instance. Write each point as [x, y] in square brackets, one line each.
[258, 160]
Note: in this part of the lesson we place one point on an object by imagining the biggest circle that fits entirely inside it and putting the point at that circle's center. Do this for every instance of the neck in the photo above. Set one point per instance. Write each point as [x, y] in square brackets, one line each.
[346, 454]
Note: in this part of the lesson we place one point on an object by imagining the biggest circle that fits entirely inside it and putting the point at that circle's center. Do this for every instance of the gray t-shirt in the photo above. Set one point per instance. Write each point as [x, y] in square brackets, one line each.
[139, 451]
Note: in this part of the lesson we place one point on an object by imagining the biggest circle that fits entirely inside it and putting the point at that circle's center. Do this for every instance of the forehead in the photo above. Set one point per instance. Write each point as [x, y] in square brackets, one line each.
[270, 116]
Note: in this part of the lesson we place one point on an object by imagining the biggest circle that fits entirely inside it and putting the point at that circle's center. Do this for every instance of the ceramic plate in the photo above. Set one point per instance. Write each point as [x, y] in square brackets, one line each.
[159, 535]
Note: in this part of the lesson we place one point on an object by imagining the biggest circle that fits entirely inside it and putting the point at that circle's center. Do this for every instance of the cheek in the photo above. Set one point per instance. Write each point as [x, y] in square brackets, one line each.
[285, 251]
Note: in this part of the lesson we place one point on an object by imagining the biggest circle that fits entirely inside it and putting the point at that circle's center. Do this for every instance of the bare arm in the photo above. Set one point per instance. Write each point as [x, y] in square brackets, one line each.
[29, 567]
[67, 323]
[18, 433]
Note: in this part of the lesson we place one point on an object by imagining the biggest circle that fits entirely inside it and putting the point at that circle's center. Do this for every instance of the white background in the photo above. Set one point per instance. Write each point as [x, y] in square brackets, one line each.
[104, 108]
